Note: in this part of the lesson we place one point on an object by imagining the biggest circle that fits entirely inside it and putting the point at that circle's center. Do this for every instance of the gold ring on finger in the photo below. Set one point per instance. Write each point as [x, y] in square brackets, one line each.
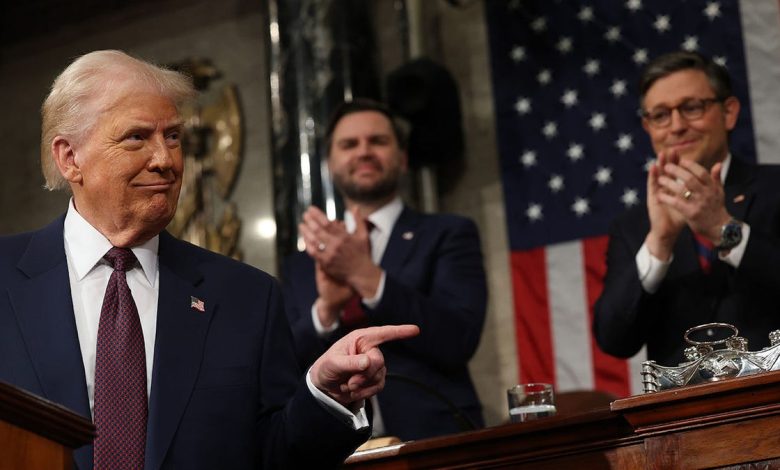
[687, 194]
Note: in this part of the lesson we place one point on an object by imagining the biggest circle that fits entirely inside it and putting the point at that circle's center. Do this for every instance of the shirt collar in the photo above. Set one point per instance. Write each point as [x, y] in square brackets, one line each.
[724, 168]
[383, 218]
[86, 247]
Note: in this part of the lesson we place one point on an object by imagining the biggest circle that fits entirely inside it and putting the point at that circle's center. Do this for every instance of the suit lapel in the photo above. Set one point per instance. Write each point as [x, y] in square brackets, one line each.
[44, 310]
[402, 241]
[181, 334]
[738, 189]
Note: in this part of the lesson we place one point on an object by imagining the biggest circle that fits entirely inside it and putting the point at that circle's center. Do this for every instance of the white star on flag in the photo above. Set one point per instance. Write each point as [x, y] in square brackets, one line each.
[662, 24]
[564, 45]
[544, 77]
[630, 197]
[528, 158]
[550, 129]
[569, 98]
[624, 142]
[720, 60]
[603, 175]
[581, 206]
[712, 10]
[585, 14]
[690, 44]
[612, 34]
[534, 212]
[597, 121]
[575, 152]
[634, 5]
[517, 54]
[555, 183]
[618, 88]
[523, 106]
[592, 67]
[539, 24]
[640, 56]
[650, 161]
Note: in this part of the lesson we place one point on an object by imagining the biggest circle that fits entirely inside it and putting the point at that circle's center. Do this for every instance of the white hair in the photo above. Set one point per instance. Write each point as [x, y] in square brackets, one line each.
[87, 87]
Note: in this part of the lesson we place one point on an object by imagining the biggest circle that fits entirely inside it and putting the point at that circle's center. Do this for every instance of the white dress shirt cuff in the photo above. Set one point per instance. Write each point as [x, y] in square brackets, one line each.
[734, 256]
[651, 269]
[357, 419]
[380, 289]
[322, 331]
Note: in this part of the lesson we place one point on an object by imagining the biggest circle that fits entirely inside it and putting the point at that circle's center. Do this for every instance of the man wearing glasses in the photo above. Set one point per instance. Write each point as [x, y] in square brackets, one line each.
[706, 246]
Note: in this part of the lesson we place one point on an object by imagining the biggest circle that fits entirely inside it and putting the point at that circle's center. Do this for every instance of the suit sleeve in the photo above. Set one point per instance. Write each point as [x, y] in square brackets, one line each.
[762, 257]
[449, 306]
[297, 431]
[621, 312]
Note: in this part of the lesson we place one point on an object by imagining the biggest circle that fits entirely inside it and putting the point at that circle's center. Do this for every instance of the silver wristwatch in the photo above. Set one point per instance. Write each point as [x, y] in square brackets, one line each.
[730, 235]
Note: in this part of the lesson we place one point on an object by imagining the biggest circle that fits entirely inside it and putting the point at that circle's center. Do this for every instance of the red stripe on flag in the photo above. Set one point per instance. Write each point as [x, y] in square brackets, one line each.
[533, 332]
[610, 374]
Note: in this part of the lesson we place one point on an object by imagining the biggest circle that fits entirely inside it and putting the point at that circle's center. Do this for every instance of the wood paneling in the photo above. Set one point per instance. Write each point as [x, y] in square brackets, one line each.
[731, 424]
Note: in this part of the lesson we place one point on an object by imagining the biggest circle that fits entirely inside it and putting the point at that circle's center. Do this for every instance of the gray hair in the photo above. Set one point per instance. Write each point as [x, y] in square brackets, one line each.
[87, 87]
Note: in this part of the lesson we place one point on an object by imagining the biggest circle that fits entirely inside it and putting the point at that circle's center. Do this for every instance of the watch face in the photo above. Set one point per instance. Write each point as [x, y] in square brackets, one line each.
[730, 235]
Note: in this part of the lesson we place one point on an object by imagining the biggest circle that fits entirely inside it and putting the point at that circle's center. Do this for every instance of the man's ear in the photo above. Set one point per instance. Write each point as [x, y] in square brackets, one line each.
[731, 111]
[65, 158]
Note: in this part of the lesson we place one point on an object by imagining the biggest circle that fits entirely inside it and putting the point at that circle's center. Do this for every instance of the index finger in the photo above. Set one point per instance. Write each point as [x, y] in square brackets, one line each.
[376, 335]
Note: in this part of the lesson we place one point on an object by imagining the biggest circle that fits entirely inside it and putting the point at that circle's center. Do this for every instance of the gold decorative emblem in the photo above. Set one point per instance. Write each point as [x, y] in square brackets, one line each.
[212, 156]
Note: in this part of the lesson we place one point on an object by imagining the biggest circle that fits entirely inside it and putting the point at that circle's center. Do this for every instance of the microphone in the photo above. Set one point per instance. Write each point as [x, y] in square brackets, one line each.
[464, 422]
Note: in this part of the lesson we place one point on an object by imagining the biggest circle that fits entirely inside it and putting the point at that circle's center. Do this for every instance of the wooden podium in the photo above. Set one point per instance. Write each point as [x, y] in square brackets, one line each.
[727, 424]
[38, 434]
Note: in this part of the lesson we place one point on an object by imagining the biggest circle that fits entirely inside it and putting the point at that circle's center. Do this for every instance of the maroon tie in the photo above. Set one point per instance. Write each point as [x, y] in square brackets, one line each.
[120, 374]
[353, 315]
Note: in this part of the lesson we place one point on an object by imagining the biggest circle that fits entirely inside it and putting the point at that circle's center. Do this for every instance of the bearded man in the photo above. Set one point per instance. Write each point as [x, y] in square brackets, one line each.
[387, 264]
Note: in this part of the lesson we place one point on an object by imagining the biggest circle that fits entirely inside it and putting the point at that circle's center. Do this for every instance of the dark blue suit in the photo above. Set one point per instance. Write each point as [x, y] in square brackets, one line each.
[434, 279]
[627, 317]
[226, 389]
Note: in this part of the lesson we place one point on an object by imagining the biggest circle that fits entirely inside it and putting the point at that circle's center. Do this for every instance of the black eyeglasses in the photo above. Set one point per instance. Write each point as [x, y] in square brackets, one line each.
[689, 110]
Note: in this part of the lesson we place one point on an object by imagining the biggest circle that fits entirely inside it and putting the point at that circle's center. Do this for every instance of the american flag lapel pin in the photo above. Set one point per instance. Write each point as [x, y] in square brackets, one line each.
[197, 304]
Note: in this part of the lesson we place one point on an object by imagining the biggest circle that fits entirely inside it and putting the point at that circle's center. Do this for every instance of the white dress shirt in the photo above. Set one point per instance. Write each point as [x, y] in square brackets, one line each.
[89, 274]
[652, 270]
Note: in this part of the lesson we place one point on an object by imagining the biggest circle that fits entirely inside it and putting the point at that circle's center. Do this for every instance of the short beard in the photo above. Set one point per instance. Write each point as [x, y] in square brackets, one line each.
[382, 190]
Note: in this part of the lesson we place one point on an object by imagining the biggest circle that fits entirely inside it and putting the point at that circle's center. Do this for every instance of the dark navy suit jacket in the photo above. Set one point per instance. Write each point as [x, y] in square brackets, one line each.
[434, 279]
[227, 391]
[627, 317]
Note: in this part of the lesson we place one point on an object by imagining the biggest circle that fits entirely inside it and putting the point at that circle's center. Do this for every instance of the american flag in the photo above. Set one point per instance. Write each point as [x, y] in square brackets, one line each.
[197, 304]
[574, 155]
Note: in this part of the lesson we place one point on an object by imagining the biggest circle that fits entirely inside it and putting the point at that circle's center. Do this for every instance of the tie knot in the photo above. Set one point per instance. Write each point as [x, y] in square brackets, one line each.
[121, 259]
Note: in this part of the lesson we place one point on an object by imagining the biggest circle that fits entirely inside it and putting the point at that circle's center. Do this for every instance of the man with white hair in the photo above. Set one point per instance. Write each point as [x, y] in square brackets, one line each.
[183, 357]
